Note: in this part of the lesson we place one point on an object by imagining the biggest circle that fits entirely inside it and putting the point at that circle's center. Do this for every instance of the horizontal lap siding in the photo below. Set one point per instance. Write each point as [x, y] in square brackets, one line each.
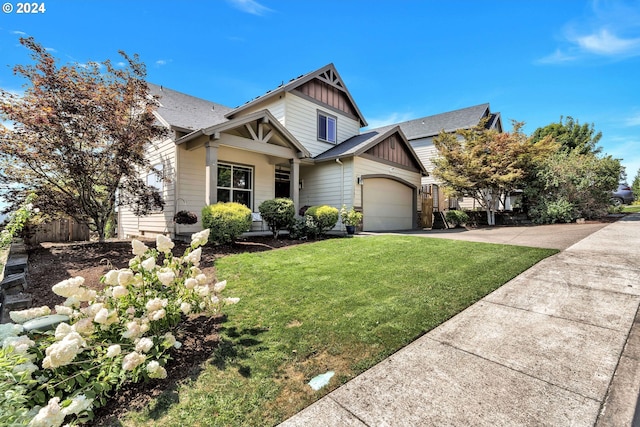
[370, 167]
[302, 122]
[323, 184]
[192, 175]
[158, 222]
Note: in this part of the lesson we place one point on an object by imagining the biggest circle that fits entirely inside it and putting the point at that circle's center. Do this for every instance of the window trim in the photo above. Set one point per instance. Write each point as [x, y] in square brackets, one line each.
[232, 189]
[328, 117]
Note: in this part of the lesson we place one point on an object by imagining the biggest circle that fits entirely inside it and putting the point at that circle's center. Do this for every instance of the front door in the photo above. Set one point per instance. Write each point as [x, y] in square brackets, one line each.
[283, 183]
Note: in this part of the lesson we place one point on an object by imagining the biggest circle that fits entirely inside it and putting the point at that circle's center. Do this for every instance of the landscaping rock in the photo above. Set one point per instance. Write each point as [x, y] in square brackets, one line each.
[16, 264]
[14, 284]
[15, 302]
[17, 248]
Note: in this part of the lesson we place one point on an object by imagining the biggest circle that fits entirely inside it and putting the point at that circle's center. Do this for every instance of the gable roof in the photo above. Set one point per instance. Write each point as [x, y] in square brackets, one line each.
[185, 112]
[327, 74]
[359, 144]
[451, 121]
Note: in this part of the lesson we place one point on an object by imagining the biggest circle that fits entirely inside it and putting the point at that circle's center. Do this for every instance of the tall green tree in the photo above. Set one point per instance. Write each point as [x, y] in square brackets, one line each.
[570, 135]
[79, 136]
[487, 165]
[635, 186]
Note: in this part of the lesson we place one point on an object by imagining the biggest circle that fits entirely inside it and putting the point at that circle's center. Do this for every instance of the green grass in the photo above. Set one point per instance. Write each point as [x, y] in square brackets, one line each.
[339, 304]
[631, 209]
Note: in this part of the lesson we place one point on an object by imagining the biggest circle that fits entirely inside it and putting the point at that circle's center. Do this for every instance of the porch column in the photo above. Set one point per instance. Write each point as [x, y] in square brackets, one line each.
[295, 183]
[211, 179]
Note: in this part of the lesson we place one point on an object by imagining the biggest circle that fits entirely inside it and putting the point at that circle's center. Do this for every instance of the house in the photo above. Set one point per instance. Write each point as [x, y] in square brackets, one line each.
[301, 140]
[421, 132]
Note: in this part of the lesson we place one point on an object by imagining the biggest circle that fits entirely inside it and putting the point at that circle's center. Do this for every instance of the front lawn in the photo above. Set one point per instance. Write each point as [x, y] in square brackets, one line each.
[631, 209]
[340, 305]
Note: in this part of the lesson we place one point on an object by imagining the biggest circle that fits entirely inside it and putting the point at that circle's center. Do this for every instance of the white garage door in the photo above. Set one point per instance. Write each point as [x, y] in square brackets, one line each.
[387, 205]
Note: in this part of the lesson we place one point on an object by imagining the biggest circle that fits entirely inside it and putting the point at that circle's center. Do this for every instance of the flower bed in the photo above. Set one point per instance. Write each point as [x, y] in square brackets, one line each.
[119, 335]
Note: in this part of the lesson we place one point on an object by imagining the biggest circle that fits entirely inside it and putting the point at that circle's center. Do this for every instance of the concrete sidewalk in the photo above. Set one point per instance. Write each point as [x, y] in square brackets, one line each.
[558, 345]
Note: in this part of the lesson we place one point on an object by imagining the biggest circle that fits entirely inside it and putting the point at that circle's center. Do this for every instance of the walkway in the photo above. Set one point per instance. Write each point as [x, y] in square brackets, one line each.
[555, 346]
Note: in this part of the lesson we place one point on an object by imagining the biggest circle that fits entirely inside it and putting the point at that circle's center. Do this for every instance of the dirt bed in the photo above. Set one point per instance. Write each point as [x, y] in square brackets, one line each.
[50, 263]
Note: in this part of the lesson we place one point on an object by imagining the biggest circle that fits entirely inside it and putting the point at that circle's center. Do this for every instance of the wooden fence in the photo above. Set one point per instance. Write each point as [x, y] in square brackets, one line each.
[62, 230]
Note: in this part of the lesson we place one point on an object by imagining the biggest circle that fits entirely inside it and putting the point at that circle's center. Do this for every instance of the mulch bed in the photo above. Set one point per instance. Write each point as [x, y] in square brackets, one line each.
[50, 263]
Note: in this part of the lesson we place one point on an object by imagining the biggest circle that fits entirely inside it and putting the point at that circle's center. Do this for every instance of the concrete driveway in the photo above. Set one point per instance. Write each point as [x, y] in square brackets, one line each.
[554, 236]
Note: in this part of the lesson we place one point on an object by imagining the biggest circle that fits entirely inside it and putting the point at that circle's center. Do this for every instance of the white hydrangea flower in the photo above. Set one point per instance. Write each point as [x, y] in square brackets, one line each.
[202, 278]
[72, 302]
[125, 277]
[200, 238]
[214, 299]
[120, 291]
[166, 277]
[22, 316]
[194, 257]
[64, 310]
[144, 345]
[157, 315]
[149, 264]
[63, 352]
[164, 244]
[185, 307]
[20, 344]
[10, 330]
[133, 330]
[203, 291]
[50, 415]
[132, 361]
[106, 317]
[156, 304]
[94, 308]
[219, 287]
[155, 370]
[78, 404]
[62, 330]
[231, 300]
[113, 350]
[169, 340]
[68, 287]
[84, 326]
[190, 283]
[111, 278]
[138, 247]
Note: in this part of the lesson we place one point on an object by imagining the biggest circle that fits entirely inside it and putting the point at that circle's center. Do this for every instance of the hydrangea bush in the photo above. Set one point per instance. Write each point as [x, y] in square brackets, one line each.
[122, 333]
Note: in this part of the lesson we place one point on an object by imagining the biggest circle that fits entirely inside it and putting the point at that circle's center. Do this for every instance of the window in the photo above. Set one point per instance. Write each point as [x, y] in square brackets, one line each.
[326, 128]
[155, 178]
[235, 184]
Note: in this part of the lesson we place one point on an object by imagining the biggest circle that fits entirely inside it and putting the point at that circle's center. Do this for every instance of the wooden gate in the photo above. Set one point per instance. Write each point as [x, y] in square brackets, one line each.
[427, 211]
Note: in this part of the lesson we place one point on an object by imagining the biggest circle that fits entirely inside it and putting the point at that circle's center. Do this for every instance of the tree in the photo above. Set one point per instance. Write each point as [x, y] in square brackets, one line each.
[571, 185]
[635, 186]
[79, 138]
[571, 136]
[486, 164]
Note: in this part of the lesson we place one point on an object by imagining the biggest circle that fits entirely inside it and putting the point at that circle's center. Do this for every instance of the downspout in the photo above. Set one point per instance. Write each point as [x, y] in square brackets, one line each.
[341, 190]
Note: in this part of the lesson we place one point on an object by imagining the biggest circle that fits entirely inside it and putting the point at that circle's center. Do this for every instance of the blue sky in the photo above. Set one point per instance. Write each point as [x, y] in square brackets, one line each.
[532, 60]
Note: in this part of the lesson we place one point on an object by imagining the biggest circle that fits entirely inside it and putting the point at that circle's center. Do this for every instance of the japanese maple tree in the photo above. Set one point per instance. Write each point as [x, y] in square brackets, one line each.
[78, 138]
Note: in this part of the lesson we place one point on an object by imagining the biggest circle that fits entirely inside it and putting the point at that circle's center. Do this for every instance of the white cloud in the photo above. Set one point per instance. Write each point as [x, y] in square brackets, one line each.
[161, 62]
[633, 120]
[605, 43]
[250, 6]
[389, 119]
[558, 57]
[19, 33]
[50, 49]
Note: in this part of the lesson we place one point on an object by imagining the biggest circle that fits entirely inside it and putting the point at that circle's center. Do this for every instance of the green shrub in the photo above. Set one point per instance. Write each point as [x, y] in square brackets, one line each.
[457, 218]
[304, 228]
[278, 214]
[325, 217]
[227, 221]
[550, 212]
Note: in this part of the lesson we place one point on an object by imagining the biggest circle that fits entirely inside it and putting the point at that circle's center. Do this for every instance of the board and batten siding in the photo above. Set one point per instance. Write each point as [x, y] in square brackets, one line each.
[160, 222]
[302, 121]
[370, 167]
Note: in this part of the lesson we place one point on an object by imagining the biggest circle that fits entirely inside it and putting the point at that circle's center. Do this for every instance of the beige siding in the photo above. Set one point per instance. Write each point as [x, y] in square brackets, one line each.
[324, 184]
[275, 107]
[160, 222]
[192, 174]
[370, 167]
[301, 121]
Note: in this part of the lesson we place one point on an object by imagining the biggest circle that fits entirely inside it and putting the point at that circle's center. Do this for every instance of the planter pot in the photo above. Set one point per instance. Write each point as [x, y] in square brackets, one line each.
[351, 229]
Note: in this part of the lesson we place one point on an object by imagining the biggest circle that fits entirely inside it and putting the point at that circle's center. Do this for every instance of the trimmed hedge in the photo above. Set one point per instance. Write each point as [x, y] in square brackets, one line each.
[278, 214]
[227, 221]
[325, 217]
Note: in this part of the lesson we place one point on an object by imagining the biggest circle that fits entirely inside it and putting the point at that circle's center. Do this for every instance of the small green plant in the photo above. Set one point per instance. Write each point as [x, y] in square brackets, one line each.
[325, 217]
[304, 228]
[560, 210]
[227, 221]
[457, 218]
[278, 214]
[18, 220]
[350, 217]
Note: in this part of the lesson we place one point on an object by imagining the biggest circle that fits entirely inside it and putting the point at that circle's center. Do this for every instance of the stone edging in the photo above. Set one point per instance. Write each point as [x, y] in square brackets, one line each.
[13, 295]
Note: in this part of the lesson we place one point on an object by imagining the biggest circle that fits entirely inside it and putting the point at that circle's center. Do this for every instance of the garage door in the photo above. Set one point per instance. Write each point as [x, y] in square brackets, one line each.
[387, 205]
